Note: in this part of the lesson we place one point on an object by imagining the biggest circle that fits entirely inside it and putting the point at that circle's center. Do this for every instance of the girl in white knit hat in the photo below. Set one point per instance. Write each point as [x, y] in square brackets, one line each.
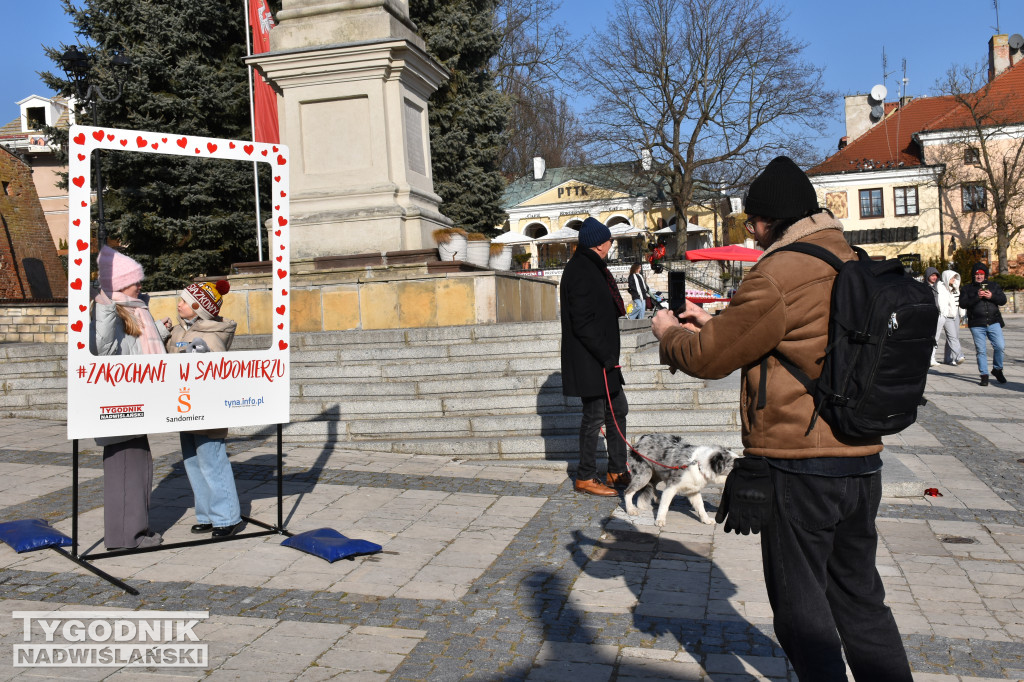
[200, 329]
[123, 325]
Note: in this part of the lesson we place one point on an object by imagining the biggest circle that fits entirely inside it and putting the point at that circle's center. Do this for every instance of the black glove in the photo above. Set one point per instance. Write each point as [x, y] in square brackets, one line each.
[747, 498]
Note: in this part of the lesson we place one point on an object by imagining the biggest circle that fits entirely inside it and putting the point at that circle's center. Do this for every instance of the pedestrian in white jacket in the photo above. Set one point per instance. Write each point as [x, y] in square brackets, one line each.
[948, 335]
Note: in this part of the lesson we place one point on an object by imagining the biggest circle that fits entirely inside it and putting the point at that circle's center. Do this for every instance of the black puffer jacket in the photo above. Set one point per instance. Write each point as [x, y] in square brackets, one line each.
[982, 312]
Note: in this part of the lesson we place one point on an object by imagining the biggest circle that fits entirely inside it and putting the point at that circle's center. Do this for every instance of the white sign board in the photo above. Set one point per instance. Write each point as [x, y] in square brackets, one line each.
[137, 394]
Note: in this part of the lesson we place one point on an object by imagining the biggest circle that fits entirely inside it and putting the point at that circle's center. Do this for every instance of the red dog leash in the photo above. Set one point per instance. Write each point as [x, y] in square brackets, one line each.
[615, 421]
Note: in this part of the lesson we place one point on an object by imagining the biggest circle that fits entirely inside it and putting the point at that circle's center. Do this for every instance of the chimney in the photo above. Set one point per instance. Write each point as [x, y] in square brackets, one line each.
[858, 116]
[646, 159]
[538, 167]
[998, 56]
[843, 141]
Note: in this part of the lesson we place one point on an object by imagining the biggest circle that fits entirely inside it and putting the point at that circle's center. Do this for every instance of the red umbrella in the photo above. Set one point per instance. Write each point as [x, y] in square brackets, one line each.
[731, 252]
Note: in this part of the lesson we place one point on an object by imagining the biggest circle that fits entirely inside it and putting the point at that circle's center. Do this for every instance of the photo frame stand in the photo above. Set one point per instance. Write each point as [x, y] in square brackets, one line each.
[85, 560]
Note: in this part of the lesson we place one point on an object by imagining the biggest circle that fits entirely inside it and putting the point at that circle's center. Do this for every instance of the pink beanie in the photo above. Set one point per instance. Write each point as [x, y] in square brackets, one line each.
[117, 270]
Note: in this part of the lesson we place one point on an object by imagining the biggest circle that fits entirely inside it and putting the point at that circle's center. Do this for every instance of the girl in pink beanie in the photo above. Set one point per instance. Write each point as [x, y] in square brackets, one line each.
[123, 325]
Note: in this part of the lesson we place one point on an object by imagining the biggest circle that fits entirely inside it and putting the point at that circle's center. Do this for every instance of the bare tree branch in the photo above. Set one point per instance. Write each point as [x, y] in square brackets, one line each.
[714, 88]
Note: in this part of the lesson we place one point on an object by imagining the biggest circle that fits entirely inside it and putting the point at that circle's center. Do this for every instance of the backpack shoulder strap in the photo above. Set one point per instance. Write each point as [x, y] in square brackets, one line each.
[818, 252]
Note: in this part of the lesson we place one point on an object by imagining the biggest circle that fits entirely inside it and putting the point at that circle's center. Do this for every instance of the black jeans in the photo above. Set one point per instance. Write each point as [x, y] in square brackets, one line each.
[826, 594]
[595, 415]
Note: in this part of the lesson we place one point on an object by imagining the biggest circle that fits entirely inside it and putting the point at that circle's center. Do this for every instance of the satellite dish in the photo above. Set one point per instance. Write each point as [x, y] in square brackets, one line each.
[877, 112]
[1016, 41]
[878, 93]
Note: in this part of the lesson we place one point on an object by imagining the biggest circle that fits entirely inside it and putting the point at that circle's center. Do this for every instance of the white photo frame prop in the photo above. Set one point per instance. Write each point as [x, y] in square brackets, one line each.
[136, 394]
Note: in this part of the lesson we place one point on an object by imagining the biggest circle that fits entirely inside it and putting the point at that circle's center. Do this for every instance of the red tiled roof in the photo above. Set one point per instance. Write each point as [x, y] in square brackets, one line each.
[997, 103]
[889, 143]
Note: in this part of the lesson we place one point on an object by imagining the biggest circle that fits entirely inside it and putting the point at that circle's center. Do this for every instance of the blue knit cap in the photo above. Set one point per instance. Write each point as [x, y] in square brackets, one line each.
[593, 233]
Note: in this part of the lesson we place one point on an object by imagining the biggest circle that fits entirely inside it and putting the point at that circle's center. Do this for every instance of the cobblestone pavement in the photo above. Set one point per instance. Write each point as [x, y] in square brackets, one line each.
[503, 573]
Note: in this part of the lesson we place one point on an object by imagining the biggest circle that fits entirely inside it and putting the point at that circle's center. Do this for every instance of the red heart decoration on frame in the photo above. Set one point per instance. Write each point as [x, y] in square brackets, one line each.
[282, 345]
[282, 247]
[80, 138]
[211, 146]
[110, 138]
[81, 345]
[97, 135]
[76, 222]
[277, 178]
[281, 160]
[264, 152]
[231, 145]
[154, 145]
[282, 221]
[83, 308]
[284, 292]
[77, 326]
[141, 141]
[248, 148]
[82, 246]
[280, 309]
[77, 284]
[197, 150]
[79, 181]
[182, 142]
[84, 204]
[278, 259]
[277, 233]
[277, 207]
[81, 157]
[78, 261]
[281, 273]
[284, 194]
[274, 148]
[281, 326]
[124, 143]
[163, 139]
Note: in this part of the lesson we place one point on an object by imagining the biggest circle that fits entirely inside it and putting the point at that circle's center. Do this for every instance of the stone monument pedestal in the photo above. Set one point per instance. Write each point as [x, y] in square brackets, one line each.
[354, 80]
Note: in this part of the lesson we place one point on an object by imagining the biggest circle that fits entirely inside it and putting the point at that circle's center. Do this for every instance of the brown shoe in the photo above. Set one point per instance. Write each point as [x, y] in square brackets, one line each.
[594, 487]
[620, 481]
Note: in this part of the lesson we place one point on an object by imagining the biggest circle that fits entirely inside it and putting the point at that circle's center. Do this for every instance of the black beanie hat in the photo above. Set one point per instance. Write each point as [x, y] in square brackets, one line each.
[593, 233]
[781, 191]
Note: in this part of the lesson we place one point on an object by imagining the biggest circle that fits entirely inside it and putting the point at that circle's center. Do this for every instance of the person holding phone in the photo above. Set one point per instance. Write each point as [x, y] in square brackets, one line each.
[982, 298]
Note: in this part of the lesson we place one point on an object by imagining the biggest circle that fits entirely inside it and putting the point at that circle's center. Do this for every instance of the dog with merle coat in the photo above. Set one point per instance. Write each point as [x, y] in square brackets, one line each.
[684, 469]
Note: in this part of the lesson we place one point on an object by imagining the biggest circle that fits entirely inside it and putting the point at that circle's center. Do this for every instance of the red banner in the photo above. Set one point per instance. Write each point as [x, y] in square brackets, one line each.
[264, 97]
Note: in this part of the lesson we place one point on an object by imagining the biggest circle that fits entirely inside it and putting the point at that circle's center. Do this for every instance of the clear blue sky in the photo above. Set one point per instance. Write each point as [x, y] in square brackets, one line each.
[846, 38]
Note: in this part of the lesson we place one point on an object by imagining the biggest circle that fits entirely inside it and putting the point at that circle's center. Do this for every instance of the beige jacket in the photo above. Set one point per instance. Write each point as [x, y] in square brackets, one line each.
[218, 334]
[782, 303]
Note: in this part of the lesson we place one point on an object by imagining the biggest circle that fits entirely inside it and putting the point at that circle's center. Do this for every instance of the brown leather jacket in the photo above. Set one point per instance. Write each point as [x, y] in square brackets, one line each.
[782, 303]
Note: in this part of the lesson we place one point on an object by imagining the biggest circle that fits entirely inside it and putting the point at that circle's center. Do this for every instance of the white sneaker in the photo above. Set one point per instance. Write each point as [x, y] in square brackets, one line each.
[959, 360]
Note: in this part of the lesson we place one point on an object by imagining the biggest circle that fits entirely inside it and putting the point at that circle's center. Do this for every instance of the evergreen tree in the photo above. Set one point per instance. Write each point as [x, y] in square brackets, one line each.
[467, 113]
[179, 217]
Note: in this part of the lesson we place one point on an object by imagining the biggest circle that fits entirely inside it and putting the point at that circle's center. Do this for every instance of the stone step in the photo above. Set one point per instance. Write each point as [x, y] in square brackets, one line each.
[561, 449]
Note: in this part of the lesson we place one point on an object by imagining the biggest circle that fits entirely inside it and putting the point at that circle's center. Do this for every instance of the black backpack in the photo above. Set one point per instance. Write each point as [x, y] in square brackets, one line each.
[881, 333]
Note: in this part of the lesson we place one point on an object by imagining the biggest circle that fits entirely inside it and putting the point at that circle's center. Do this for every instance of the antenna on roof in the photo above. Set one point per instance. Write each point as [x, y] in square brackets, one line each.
[995, 4]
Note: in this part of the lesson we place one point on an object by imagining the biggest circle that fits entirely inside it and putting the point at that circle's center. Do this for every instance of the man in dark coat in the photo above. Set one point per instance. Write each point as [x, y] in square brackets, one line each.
[591, 308]
[981, 299]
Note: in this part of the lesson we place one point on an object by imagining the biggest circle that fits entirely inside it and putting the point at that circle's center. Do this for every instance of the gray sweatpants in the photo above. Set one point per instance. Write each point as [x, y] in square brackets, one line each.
[127, 484]
[948, 336]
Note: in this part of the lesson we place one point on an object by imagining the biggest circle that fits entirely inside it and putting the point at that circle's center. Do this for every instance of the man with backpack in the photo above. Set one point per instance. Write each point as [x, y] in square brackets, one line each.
[813, 492]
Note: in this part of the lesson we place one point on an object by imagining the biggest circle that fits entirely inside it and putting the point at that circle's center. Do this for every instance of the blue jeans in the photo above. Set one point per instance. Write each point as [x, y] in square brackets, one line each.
[638, 309]
[213, 483]
[818, 551]
[993, 333]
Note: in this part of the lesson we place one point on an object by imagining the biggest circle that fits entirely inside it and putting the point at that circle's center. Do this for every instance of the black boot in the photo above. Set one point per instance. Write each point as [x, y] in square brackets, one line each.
[998, 374]
[984, 380]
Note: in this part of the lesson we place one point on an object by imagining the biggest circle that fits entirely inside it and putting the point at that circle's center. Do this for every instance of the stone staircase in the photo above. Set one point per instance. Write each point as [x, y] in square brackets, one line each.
[484, 392]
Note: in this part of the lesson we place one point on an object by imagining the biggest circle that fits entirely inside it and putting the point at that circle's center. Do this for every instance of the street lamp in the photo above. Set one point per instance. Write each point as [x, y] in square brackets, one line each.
[76, 66]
